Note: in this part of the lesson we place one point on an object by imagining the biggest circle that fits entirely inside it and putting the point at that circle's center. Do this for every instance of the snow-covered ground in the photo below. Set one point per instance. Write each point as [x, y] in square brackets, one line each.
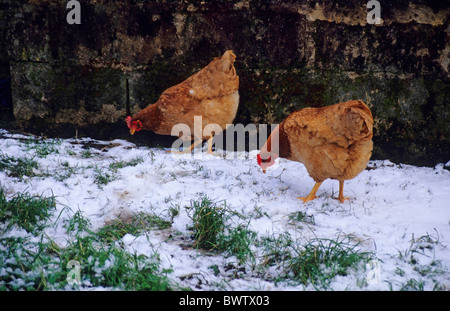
[399, 212]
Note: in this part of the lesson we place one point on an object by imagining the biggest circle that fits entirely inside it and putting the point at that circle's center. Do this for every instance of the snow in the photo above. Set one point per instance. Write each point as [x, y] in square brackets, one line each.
[390, 207]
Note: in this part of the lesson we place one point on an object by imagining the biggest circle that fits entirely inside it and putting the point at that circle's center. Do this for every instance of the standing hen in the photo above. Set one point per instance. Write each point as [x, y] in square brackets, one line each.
[332, 142]
[211, 93]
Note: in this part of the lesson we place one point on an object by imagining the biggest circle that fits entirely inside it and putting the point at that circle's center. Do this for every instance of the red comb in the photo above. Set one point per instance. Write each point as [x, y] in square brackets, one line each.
[128, 120]
[258, 159]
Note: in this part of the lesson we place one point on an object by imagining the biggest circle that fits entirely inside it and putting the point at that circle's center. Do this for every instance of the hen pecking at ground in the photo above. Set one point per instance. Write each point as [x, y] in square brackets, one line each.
[212, 94]
[332, 142]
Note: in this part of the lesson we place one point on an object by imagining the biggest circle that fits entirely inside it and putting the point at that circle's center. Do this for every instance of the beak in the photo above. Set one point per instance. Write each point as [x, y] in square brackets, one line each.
[264, 171]
[132, 131]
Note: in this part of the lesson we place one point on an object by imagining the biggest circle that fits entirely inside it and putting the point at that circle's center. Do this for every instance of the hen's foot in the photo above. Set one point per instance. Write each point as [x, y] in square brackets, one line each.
[306, 199]
[312, 194]
[342, 199]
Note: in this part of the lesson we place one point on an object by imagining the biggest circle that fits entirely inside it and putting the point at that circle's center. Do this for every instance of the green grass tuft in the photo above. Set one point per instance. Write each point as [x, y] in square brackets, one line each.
[301, 217]
[26, 211]
[136, 225]
[116, 165]
[102, 178]
[276, 249]
[86, 154]
[77, 224]
[208, 221]
[238, 242]
[18, 167]
[42, 147]
[212, 233]
[320, 260]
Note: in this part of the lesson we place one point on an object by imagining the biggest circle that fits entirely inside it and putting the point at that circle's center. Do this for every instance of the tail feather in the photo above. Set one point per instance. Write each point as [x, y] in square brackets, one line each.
[217, 79]
[225, 63]
[365, 113]
[353, 120]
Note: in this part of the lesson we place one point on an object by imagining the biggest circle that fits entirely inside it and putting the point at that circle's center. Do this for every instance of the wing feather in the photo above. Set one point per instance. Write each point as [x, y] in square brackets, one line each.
[324, 139]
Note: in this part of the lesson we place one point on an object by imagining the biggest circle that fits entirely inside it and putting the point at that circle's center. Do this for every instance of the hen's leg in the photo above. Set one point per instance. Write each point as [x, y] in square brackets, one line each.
[312, 194]
[341, 192]
[187, 150]
[210, 143]
[210, 140]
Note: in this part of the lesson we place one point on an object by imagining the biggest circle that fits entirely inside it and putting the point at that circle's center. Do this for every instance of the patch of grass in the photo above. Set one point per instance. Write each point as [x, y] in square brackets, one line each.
[215, 269]
[65, 172]
[316, 261]
[238, 242]
[26, 211]
[116, 230]
[86, 154]
[116, 165]
[412, 285]
[103, 177]
[421, 248]
[208, 221]
[21, 264]
[18, 167]
[138, 224]
[211, 232]
[70, 152]
[258, 213]
[276, 249]
[151, 221]
[111, 266]
[43, 265]
[42, 147]
[27, 264]
[174, 211]
[301, 217]
[77, 223]
[320, 260]
[145, 276]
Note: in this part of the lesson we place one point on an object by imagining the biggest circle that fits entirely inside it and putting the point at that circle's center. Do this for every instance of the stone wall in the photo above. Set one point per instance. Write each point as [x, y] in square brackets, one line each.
[290, 55]
[5, 74]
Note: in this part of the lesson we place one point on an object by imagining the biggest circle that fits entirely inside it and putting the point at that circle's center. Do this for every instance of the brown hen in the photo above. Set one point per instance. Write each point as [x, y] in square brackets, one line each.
[332, 142]
[212, 93]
